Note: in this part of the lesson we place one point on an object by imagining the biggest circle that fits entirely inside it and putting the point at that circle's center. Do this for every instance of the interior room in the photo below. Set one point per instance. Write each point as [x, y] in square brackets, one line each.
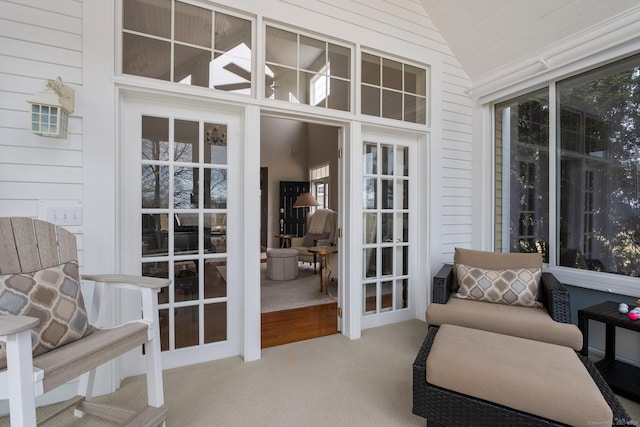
[296, 157]
[454, 185]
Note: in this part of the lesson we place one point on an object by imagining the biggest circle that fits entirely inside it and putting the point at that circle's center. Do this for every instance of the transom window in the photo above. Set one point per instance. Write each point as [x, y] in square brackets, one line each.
[178, 42]
[393, 90]
[305, 70]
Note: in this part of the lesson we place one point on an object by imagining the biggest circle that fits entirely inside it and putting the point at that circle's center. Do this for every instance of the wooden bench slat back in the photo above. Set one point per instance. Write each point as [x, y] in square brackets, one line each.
[28, 245]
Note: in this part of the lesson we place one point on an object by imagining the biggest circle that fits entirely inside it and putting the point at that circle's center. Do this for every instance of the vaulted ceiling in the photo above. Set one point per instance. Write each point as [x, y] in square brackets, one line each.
[486, 35]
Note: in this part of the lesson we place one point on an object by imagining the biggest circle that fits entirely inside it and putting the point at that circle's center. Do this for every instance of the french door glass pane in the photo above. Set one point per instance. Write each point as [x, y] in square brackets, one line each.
[370, 228]
[155, 138]
[186, 141]
[216, 183]
[386, 300]
[155, 186]
[184, 182]
[370, 159]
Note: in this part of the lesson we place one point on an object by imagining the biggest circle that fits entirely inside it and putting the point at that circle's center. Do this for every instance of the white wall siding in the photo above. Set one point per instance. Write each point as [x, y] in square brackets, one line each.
[39, 40]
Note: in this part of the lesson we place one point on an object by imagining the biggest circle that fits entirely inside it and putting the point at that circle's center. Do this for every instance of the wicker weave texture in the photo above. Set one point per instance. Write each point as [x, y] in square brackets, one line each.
[445, 407]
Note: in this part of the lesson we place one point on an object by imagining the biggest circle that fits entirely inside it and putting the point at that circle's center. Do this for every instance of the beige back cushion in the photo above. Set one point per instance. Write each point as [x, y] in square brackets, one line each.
[496, 260]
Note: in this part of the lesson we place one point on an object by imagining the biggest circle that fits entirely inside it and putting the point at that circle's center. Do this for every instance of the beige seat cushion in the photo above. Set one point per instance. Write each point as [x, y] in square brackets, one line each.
[525, 322]
[538, 378]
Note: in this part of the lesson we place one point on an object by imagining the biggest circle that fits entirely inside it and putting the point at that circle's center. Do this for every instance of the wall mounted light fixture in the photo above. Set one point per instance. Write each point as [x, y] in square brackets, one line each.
[50, 109]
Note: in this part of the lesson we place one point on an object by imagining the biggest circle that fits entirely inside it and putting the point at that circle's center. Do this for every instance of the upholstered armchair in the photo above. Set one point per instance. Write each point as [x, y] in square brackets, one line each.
[490, 296]
[321, 231]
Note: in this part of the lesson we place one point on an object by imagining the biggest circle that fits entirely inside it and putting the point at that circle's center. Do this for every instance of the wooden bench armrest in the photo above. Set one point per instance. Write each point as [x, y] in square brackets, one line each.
[10, 325]
[140, 281]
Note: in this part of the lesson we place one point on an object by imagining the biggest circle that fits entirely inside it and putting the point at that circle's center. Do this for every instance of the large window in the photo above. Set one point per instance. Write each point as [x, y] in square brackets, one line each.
[522, 173]
[596, 188]
[178, 42]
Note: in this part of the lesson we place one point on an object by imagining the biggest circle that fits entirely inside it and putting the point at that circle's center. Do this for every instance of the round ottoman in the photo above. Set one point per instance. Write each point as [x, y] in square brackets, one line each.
[282, 264]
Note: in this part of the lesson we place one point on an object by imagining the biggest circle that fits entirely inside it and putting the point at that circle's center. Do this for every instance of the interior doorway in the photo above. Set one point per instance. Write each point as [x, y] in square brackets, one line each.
[295, 309]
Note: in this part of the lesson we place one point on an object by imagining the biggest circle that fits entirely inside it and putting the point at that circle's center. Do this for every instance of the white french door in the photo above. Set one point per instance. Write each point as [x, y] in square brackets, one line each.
[389, 227]
[180, 203]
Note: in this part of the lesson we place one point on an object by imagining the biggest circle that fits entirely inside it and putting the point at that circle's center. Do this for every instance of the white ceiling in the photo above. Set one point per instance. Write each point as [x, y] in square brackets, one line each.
[486, 35]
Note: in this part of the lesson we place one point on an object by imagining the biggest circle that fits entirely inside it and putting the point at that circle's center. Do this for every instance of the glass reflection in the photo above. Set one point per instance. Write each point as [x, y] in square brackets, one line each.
[186, 141]
[155, 186]
[138, 52]
[187, 19]
[185, 235]
[387, 160]
[215, 320]
[340, 61]
[391, 74]
[186, 326]
[369, 262]
[185, 279]
[185, 190]
[370, 159]
[215, 232]
[369, 295]
[370, 190]
[386, 299]
[161, 270]
[215, 278]
[370, 228]
[387, 193]
[154, 237]
[191, 65]
[216, 182]
[387, 261]
[370, 103]
[155, 137]
[387, 227]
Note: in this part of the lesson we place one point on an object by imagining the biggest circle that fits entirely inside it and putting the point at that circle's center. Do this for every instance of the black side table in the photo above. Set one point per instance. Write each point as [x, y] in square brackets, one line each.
[624, 379]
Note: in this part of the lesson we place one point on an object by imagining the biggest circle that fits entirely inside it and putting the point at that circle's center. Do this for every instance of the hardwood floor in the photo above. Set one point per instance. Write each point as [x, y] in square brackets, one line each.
[287, 326]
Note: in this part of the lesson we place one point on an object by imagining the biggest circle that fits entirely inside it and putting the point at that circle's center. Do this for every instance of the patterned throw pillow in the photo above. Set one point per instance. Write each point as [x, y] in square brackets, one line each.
[51, 295]
[510, 286]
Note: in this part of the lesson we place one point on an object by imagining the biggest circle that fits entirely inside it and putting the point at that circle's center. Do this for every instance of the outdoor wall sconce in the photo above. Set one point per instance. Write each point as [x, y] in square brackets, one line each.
[50, 109]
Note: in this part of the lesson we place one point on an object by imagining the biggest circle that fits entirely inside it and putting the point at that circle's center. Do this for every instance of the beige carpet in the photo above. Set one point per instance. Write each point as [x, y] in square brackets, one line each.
[285, 294]
[328, 381]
